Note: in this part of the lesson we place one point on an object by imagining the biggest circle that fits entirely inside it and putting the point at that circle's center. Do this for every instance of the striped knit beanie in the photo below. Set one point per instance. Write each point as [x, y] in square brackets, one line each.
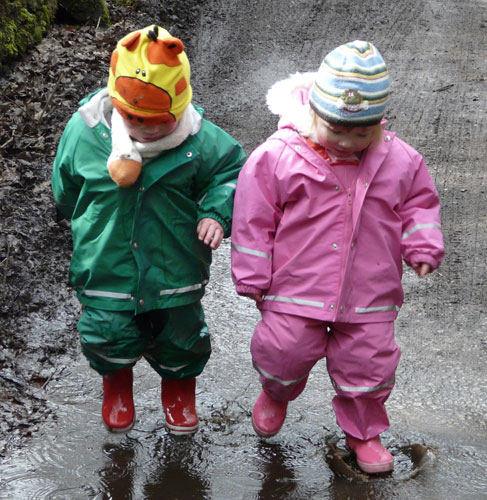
[351, 86]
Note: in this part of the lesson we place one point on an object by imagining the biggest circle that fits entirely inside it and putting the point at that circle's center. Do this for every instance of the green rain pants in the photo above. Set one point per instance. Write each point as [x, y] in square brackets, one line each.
[175, 342]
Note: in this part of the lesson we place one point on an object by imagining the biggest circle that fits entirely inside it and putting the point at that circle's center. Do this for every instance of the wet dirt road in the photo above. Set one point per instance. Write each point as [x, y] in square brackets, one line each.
[436, 54]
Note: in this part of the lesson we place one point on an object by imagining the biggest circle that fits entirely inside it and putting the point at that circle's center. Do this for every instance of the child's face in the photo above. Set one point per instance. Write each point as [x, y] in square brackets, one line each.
[344, 140]
[148, 133]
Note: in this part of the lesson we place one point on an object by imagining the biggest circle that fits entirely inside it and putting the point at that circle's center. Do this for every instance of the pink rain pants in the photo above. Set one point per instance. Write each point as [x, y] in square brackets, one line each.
[361, 360]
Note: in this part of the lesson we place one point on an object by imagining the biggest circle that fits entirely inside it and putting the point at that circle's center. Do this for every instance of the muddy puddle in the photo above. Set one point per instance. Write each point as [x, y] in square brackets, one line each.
[438, 454]
[75, 458]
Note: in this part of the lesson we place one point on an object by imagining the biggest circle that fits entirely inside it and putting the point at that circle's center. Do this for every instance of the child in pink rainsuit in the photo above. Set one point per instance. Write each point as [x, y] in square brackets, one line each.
[325, 211]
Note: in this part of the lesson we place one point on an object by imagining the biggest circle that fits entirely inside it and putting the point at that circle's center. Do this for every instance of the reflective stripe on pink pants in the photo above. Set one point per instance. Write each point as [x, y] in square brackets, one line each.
[361, 360]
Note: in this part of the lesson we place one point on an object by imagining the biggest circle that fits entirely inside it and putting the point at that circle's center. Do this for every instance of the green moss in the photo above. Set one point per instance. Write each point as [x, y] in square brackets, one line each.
[24, 22]
[22, 25]
[26, 17]
[124, 3]
[7, 39]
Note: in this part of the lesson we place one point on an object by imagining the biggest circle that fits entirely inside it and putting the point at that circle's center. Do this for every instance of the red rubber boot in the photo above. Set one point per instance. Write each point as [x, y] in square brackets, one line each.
[268, 415]
[118, 410]
[371, 456]
[179, 404]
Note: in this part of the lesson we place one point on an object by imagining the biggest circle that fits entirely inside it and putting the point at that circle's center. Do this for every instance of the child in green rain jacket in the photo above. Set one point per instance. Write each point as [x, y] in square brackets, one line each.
[148, 185]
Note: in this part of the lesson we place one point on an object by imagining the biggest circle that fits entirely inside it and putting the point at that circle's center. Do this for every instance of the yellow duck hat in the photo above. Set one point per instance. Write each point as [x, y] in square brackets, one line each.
[149, 79]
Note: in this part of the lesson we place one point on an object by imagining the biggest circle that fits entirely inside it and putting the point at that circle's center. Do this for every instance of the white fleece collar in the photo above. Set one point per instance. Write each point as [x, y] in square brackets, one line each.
[124, 148]
[94, 111]
[99, 109]
[189, 124]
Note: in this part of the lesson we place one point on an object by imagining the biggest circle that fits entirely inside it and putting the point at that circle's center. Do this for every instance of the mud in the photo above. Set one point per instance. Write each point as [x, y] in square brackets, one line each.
[49, 400]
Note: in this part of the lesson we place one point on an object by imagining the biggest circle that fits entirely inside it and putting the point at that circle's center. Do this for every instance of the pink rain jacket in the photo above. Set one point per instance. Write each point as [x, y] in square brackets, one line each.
[316, 250]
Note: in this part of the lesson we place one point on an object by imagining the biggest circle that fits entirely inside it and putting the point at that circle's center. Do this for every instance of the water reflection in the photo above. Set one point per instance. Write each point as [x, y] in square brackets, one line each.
[341, 489]
[177, 471]
[277, 477]
[173, 472]
[117, 477]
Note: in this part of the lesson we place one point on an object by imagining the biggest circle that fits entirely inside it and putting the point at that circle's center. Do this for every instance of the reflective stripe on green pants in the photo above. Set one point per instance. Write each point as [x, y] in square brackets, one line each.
[176, 341]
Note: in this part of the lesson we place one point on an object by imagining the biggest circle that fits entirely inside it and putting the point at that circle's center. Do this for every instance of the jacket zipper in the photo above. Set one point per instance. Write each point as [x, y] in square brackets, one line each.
[346, 241]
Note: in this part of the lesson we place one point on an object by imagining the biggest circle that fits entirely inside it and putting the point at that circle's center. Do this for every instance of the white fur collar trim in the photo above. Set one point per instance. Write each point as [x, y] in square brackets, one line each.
[289, 99]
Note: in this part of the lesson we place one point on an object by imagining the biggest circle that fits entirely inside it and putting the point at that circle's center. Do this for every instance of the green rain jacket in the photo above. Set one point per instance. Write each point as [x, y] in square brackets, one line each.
[137, 248]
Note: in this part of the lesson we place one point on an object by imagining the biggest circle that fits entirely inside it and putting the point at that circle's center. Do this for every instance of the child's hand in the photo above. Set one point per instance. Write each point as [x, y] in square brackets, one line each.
[422, 269]
[254, 296]
[210, 232]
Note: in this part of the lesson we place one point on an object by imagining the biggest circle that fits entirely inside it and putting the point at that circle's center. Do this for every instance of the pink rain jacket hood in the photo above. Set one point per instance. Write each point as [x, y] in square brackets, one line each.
[312, 247]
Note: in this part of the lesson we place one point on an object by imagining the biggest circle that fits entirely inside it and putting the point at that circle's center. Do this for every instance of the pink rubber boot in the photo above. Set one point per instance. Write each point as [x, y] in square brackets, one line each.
[268, 415]
[371, 456]
[179, 403]
[118, 410]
